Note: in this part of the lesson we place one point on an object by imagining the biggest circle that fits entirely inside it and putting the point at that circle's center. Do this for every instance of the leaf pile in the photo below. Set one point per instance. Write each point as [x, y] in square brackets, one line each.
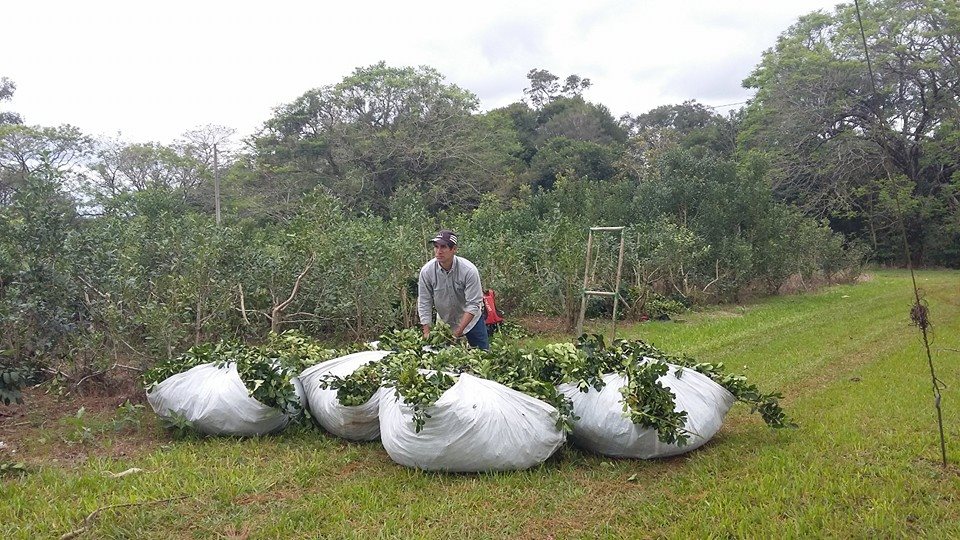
[422, 369]
[266, 370]
[418, 370]
[633, 352]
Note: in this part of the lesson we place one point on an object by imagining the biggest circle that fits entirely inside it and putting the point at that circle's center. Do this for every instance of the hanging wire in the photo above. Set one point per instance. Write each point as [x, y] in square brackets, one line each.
[866, 51]
[725, 105]
[919, 311]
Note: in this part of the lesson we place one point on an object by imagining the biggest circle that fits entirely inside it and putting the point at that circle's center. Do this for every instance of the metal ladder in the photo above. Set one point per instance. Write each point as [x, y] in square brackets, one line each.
[586, 275]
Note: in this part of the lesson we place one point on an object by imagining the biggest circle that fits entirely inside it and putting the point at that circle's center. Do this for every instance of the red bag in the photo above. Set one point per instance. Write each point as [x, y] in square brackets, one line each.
[490, 307]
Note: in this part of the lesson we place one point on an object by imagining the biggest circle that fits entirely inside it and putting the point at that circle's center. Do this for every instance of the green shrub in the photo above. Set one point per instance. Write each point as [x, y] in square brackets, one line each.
[12, 380]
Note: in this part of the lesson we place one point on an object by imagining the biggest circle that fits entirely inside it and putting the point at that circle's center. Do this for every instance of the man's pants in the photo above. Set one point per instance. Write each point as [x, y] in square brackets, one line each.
[477, 336]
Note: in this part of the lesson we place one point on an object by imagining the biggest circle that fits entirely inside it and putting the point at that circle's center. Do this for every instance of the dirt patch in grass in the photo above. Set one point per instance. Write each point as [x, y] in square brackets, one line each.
[46, 428]
[266, 496]
[542, 324]
[797, 284]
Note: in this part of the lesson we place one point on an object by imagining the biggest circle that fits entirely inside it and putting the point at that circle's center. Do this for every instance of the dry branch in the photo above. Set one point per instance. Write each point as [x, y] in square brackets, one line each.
[86, 522]
[243, 307]
[277, 312]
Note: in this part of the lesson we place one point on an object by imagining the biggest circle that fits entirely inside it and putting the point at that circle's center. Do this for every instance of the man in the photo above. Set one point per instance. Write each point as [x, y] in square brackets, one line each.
[451, 284]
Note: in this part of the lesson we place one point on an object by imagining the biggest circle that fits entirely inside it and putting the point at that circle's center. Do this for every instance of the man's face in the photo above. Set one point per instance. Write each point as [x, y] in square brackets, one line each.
[444, 254]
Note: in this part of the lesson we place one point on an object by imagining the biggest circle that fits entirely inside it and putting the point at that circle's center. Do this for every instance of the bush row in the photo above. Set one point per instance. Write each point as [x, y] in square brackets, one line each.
[149, 276]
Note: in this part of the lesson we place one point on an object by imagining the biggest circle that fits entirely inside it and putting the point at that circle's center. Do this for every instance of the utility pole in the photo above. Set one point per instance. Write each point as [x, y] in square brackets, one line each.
[216, 183]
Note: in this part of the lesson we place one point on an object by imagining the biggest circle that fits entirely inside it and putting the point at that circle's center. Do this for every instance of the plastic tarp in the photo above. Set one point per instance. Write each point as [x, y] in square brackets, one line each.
[476, 425]
[215, 400]
[603, 428]
[357, 422]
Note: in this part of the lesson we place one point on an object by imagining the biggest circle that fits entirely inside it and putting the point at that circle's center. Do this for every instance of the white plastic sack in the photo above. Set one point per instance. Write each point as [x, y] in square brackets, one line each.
[476, 425]
[356, 423]
[217, 402]
[602, 427]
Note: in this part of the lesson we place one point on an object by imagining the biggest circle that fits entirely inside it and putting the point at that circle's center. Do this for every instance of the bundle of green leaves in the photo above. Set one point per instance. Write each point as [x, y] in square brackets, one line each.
[421, 369]
[299, 351]
[266, 370]
[634, 352]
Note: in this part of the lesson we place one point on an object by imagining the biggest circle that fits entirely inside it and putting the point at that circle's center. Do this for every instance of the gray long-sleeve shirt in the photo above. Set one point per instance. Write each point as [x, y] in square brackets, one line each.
[451, 293]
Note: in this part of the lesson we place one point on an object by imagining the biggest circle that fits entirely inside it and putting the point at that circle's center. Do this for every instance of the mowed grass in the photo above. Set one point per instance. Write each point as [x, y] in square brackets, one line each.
[863, 463]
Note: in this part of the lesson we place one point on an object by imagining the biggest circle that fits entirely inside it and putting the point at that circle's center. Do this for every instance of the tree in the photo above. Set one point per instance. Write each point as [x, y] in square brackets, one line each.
[38, 300]
[576, 119]
[832, 136]
[523, 121]
[689, 124]
[581, 159]
[185, 167]
[123, 168]
[545, 87]
[200, 142]
[7, 88]
[564, 134]
[24, 149]
[381, 128]
[214, 151]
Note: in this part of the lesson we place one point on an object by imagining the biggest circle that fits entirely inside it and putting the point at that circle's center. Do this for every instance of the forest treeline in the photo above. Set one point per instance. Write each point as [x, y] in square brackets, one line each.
[111, 252]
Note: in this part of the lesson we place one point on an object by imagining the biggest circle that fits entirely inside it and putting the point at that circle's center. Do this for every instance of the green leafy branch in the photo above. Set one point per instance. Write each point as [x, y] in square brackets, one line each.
[12, 380]
[420, 390]
[267, 370]
[356, 388]
[651, 405]
[765, 403]
[646, 400]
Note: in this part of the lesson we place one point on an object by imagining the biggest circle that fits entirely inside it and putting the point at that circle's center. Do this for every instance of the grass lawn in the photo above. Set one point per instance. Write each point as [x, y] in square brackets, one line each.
[863, 463]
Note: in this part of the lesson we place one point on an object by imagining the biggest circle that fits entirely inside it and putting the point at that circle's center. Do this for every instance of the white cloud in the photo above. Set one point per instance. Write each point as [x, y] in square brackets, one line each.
[155, 70]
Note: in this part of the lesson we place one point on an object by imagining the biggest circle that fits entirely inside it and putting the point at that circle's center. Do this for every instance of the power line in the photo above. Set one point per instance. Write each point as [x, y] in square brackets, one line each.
[725, 105]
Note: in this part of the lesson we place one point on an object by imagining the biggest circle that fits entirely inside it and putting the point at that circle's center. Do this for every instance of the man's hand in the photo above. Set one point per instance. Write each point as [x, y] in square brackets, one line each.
[464, 321]
[426, 331]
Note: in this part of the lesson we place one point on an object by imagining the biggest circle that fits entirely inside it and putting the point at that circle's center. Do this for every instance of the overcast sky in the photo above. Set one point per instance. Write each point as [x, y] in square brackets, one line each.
[149, 71]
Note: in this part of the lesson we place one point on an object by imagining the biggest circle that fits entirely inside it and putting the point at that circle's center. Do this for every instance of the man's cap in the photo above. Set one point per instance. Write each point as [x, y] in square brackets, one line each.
[445, 237]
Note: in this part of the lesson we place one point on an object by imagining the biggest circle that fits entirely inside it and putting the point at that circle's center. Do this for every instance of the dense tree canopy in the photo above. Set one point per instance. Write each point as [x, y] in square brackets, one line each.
[381, 128]
[842, 141]
[545, 87]
[689, 125]
[25, 149]
[562, 133]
